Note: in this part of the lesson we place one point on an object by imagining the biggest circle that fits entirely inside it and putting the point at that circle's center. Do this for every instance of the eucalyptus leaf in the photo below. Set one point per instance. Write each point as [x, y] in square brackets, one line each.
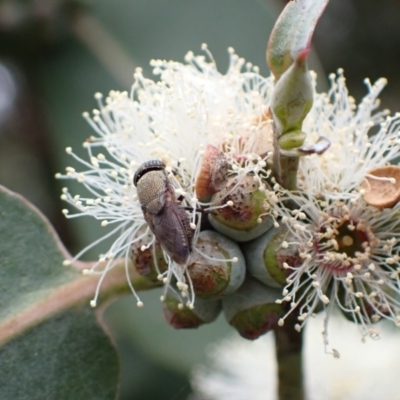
[34, 284]
[53, 345]
[292, 33]
[31, 256]
[67, 357]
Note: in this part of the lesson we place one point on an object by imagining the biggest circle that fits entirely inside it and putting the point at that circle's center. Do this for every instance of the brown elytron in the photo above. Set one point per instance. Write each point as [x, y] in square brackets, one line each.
[168, 221]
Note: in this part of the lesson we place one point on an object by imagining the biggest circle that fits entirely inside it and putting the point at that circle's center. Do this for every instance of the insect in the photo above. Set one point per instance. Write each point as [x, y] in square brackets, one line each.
[166, 218]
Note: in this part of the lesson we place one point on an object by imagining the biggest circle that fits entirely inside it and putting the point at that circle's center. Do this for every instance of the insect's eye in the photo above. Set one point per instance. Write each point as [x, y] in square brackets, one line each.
[151, 165]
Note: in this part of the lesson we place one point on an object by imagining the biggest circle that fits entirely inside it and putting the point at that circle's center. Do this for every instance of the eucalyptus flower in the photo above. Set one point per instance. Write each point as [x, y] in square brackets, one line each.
[353, 151]
[350, 258]
[347, 244]
[175, 119]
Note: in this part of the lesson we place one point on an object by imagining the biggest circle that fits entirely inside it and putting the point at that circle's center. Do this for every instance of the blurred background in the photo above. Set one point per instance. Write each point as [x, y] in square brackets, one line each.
[55, 54]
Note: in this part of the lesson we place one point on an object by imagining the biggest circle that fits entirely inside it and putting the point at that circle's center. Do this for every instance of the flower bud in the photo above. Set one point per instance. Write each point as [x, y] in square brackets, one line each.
[292, 100]
[216, 266]
[252, 309]
[248, 216]
[181, 316]
[269, 258]
[148, 261]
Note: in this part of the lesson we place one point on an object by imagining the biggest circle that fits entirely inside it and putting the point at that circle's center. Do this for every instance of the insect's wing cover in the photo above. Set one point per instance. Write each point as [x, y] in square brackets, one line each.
[173, 232]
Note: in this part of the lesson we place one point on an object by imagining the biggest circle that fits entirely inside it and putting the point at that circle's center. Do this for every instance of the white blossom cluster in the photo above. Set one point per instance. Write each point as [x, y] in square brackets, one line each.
[171, 119]
[348, 250]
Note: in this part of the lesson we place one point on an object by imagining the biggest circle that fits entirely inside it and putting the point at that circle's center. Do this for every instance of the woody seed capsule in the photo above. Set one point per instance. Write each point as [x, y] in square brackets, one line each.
[248, 216]
[269, 260]
[252, 309]
[217, 267]
[180, 316]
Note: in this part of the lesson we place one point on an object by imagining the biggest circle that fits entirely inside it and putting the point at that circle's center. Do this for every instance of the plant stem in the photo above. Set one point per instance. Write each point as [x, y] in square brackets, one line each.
[289, 358]
[288, 169]
[285, 164]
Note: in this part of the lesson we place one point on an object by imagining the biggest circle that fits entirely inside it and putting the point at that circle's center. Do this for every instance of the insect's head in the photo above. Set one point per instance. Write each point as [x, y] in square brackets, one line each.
[151, 165]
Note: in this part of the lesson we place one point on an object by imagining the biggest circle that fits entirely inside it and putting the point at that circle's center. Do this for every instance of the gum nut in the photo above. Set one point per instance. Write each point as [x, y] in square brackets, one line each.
[247, 217]
[211, 276]
[181, 316]
[149, 262]
[252, 310]
[265, 257]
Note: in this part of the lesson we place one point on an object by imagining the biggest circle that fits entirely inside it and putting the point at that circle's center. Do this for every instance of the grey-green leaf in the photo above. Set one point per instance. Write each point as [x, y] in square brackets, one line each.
[53, 345]
[30, 256]
[66, 357]
[292, 33]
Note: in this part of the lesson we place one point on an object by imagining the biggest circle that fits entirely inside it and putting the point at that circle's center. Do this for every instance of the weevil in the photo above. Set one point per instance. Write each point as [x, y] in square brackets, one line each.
[166, 218]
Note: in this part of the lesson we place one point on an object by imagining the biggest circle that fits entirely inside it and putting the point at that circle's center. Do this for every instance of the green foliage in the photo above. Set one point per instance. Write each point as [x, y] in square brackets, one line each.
[29, 256]
[53, 345]
[66, 357]
[292, 33]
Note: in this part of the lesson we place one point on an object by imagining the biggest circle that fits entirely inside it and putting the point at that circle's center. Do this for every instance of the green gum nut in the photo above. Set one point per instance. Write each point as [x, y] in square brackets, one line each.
[149, 262]
[246, 218]
[182, 317]
[252, 309]
[293, 96]
[211, 277]
[266, 257]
